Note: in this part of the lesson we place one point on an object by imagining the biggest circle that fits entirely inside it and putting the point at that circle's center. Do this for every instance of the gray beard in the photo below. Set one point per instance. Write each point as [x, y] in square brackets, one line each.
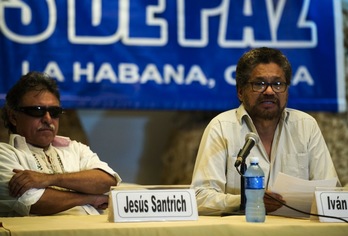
[254, 112]
[266, 115]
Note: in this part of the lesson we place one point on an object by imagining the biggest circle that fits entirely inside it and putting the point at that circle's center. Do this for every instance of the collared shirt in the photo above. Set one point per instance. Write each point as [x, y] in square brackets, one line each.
[48, 161]
[63, 156]
[298, 149]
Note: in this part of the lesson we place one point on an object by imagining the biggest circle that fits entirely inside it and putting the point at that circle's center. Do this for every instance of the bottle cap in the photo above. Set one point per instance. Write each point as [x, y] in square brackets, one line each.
[254, 160]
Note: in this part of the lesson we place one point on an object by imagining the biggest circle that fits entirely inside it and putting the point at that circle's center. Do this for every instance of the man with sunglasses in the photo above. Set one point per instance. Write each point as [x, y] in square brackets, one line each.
[290, 140]
[42, 173]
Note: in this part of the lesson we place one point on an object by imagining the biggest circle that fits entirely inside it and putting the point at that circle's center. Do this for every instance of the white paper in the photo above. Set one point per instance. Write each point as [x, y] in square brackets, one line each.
[297, 193]
[90, 210]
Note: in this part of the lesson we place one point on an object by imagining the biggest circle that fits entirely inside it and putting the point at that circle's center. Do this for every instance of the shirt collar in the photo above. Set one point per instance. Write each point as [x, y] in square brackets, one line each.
[19, 141]
[242, 114]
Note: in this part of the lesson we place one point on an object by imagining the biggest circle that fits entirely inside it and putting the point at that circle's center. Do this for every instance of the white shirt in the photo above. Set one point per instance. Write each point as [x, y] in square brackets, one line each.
[298, 149]
[66, 156]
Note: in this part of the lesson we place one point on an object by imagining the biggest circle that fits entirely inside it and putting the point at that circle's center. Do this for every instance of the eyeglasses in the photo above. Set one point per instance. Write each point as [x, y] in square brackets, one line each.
[278, 87]
[40, 111]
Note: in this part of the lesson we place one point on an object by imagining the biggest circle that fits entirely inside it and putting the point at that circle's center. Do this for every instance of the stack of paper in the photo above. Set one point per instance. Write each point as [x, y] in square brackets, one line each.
[297, 193]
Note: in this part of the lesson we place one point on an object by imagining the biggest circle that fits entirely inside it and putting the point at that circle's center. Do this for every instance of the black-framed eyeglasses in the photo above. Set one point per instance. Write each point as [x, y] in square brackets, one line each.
[40, 111]
[278, 87]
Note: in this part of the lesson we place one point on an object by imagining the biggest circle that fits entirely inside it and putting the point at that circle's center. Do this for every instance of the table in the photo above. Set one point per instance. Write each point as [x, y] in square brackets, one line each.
[205, 225]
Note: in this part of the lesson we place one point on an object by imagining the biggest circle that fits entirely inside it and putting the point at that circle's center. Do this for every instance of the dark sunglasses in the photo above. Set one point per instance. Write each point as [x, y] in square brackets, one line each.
[40, 111]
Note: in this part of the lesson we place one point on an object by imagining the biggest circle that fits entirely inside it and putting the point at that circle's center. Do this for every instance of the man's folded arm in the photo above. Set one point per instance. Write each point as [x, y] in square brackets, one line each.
[54, 201]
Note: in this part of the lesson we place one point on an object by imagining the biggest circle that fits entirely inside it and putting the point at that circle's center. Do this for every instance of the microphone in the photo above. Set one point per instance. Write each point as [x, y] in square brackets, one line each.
[251, 139]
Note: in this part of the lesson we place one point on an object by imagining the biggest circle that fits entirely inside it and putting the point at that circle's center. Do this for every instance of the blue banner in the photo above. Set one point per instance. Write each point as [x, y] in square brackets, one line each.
[170, 54]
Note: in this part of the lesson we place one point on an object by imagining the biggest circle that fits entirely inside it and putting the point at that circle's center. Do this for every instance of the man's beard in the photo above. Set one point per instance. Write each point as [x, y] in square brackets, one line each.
[256, 112]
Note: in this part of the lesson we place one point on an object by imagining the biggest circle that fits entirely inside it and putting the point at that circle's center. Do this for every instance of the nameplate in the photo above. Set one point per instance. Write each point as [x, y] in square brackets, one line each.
[332, 202]
[158, 203]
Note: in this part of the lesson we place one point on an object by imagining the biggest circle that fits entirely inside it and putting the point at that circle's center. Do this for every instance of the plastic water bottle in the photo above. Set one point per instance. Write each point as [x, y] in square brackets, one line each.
[254, 192]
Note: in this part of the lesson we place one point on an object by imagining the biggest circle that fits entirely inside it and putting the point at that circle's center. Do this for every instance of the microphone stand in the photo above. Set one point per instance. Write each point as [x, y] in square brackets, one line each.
[241, 171]
[243, 168]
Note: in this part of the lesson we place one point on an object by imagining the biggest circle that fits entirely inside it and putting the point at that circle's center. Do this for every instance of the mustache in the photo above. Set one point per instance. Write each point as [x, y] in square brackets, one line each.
[47, 126]
[268, 99]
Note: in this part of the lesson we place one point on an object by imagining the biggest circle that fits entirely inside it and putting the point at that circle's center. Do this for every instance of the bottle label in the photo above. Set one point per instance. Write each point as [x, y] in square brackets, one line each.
[255, 182]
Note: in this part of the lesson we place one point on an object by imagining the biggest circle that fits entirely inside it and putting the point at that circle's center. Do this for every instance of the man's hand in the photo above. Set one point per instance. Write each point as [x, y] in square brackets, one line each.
[101, 202]
[271, 204]
[23, 180]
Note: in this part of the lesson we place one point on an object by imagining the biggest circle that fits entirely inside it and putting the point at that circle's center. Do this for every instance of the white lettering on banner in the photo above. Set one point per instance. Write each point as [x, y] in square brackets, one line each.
[52, 69]
[88, 72]
[151, 73]
[171, 74]
[302, 75]
[228, 75]
[159, 26]
[26, 16]
[275, 15]
[129, 73]
[105, 72]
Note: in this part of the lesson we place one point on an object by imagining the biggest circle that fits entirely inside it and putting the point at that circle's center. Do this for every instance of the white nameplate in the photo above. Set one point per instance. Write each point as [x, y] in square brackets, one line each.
[332, 202]
[152, 204]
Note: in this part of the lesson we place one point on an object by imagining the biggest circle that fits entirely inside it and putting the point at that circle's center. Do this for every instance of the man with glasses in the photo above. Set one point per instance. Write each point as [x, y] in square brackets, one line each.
[42, 173]
[290, 140]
